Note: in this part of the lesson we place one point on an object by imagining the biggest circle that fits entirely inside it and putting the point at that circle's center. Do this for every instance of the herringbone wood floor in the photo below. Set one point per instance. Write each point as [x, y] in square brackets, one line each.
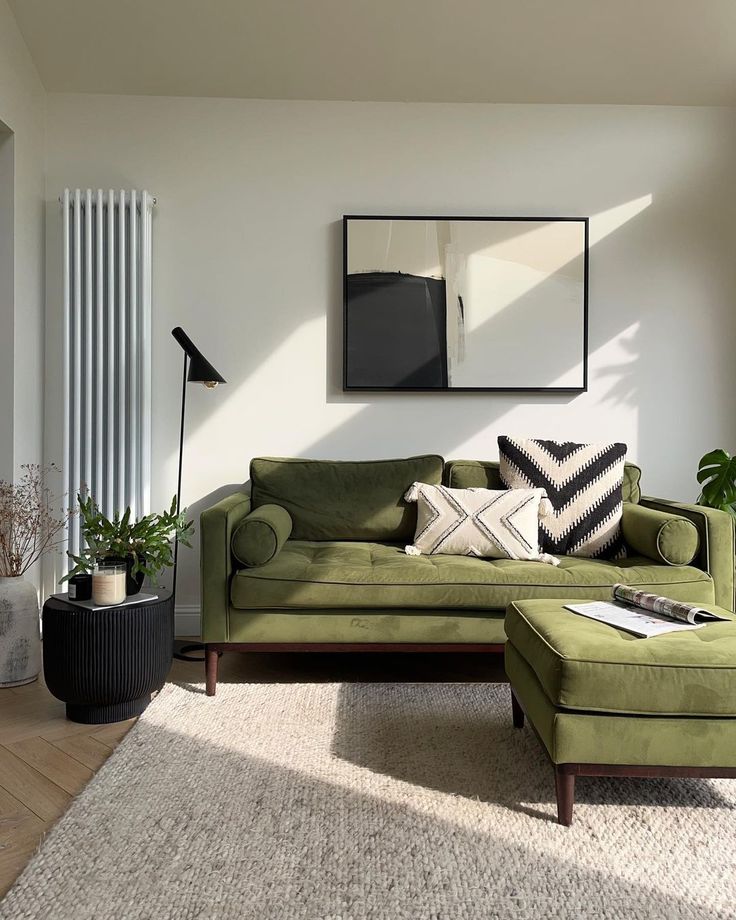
[46, 760]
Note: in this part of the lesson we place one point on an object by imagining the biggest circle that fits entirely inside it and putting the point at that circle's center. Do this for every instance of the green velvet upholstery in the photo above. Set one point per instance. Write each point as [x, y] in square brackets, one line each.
[589, 666]
[378, 625]
[344, 500]
[261, 534]
[717, 549]
[484, 474]
[354, 575]
[216, 525]
[659, 535]
[580, 737]
[344, 583]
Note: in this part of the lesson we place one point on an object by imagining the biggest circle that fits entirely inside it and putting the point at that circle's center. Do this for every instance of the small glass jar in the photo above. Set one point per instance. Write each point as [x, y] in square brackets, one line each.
[80, 587]
[108, 585]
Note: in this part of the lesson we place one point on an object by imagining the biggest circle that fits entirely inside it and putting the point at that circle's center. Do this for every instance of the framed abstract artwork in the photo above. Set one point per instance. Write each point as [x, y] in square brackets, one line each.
[465, 303]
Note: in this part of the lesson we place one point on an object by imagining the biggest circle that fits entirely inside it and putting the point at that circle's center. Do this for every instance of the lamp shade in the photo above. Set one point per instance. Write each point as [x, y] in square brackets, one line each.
[200, 369]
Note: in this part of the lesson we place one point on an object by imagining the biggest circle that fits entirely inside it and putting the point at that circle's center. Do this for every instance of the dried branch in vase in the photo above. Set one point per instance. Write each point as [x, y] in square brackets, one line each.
[30, 522]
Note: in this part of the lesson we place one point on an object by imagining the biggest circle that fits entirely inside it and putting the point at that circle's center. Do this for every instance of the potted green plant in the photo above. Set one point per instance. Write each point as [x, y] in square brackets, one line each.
[30, 526]
[143, 545]
[717, 478]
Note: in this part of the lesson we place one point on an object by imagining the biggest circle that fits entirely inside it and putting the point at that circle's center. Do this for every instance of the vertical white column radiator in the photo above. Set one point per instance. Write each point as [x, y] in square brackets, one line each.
[107, 350]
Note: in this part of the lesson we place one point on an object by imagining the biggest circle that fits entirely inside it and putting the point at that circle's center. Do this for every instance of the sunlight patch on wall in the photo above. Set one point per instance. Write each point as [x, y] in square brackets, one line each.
[235, 413]
[606, 222]
[272, 411]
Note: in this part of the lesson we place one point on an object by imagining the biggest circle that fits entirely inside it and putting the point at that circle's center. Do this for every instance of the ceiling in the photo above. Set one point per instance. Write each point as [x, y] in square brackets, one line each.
[671, 52]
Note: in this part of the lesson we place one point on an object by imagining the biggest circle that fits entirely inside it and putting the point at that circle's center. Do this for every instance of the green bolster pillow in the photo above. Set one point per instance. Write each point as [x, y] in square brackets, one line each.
[658, 535]
[259, 538]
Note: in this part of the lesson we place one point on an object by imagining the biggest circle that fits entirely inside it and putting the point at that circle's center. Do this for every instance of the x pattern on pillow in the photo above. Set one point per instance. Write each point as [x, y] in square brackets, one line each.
[476, 522]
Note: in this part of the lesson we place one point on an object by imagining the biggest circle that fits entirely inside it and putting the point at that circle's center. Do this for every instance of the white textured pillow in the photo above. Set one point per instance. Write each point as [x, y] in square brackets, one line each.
[487, 523]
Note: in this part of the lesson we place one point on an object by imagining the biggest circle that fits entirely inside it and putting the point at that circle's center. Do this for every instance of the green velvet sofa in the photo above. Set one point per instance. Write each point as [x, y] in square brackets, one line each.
[313, 559]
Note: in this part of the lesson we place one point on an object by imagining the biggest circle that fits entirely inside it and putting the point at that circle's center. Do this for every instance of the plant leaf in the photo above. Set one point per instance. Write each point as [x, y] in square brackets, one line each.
[717, 476]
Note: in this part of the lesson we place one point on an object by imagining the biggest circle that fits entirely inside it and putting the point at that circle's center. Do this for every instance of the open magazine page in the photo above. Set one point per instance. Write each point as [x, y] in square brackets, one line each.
[637, 621]
[665, 606]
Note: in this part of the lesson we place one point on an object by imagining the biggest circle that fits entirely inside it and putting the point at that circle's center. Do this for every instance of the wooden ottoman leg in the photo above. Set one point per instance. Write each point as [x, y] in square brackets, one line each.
[211, 660]
[565, 789]
[517, 712]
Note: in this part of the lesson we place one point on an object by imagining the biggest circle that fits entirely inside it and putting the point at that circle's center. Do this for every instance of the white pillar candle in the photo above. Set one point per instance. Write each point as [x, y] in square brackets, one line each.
[108, 585]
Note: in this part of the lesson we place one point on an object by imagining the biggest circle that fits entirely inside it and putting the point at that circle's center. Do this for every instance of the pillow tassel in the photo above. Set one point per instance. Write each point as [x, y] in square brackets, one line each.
[412, 550]
[545, 506]
[550, 560]
[412, 493]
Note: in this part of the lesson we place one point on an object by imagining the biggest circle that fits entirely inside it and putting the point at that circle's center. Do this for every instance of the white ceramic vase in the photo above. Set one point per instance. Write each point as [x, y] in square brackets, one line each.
[20, 635]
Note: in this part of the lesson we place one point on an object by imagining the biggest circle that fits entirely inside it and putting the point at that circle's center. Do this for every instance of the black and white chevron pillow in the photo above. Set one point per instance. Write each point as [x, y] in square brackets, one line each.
[584, 486]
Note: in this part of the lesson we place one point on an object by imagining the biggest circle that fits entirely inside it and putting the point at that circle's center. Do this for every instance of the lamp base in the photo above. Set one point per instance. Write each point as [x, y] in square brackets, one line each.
[182, 650]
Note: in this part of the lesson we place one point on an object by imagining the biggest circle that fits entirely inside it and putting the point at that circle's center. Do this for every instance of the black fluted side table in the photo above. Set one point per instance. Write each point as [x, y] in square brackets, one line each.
[105, 664]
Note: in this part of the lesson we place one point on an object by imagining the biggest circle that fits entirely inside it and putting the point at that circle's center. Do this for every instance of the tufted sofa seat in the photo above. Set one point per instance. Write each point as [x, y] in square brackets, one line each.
[346, 575]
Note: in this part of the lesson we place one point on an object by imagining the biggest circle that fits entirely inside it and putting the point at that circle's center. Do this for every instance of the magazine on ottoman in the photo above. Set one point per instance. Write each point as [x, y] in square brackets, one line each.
[645, 615]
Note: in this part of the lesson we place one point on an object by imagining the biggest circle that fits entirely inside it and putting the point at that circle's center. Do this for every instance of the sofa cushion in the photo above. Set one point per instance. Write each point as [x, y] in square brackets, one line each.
[485, 474]
[344, 500]
[341, 575]
[261, 535]
[668, 538]
[585, 665]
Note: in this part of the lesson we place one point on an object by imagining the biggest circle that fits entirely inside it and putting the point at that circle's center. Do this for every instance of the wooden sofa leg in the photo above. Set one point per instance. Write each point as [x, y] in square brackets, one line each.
[565, 789]
[517, 713]
[211, 660]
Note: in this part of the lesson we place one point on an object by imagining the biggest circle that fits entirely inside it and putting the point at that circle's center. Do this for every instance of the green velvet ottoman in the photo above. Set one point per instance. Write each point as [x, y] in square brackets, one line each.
[605, 703]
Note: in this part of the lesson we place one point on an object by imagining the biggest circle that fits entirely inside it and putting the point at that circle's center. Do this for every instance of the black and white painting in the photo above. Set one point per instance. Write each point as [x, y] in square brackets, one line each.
[465, 303]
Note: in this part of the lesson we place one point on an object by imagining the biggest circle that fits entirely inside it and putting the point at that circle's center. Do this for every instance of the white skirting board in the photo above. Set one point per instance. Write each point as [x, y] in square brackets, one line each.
[187, 621]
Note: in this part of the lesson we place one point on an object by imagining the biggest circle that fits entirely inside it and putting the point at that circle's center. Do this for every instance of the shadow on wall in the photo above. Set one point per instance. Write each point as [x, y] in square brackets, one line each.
[412, 423]
[189, 557]
[368, 427]
[619, 382]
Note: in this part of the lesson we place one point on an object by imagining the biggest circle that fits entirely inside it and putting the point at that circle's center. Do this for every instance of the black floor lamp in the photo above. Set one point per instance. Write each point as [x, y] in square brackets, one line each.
[197, 369]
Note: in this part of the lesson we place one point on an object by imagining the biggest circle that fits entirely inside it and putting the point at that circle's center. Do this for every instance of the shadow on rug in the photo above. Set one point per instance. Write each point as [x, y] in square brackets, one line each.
[368, 802]
[468, 753]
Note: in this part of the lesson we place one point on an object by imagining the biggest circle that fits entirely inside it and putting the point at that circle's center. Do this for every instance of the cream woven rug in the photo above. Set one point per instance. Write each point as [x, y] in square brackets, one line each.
[381, 801]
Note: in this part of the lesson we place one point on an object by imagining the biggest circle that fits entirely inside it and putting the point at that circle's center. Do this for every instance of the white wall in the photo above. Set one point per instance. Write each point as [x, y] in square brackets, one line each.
[22, 112]
[247, 258]
[7, 302]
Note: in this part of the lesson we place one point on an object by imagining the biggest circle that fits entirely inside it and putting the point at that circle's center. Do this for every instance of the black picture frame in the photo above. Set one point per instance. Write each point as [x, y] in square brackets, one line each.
[352, 388]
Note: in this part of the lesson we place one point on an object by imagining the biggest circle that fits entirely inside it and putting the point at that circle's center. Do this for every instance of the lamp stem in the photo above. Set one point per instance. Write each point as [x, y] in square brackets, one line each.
[181, 459]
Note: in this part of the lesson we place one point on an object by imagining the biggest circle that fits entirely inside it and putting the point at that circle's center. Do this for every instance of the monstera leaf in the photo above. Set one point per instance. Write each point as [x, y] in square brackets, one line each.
[717, 478]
